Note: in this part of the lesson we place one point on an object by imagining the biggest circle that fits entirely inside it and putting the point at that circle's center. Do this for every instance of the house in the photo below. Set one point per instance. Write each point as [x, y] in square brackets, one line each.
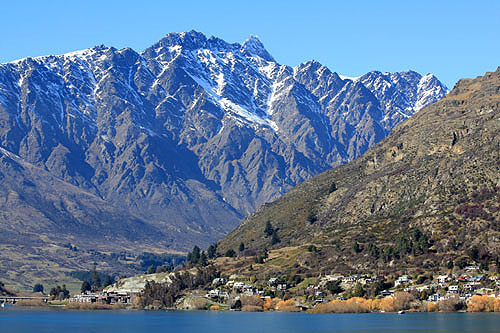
[351, 279]
[443, 278]
[213, 293]
[218, 281]
[471, 286]
[436, 297]
[122, 297]
[274, 281]
[85, 298]
[332, 277]
[472, 268]
[283, 286]
[454, 289]
[238, 285]
[386, 293]
[248, 288]
[422, 288]
[403, 279]
[320, 294]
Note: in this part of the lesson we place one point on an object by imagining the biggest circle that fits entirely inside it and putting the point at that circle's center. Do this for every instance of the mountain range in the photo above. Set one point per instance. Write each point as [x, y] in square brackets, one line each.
[160, 150]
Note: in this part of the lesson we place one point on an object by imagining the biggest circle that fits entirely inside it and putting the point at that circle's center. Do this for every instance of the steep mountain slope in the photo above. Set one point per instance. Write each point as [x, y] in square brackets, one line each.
[185, 138]
[427, 194]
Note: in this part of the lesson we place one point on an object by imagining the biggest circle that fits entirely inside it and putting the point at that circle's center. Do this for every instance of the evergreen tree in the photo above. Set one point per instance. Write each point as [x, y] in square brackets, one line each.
[311, 218]
[195, 255]
[211, 251]
[474, 253]
[242, 247]
[151, 269]
[269, 229]
[358, 291]
[85, 287]
[334, 287]
[95, 278]
[275, 239]
[38, 288]
[203, 259]
[356, 247]
[107, 281]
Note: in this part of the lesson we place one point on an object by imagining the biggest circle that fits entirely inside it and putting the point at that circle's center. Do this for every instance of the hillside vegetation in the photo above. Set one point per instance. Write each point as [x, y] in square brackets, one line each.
[426, 197]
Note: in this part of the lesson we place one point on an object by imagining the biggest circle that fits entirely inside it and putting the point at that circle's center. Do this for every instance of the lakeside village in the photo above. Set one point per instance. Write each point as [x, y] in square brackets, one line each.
[198, 288]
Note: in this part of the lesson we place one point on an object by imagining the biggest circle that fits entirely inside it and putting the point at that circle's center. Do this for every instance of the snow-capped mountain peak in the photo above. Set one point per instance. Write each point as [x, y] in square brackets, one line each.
[254, 47]
[191, 120]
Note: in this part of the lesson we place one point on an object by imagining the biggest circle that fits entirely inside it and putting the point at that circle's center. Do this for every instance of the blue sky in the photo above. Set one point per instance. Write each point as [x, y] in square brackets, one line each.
[452, 39]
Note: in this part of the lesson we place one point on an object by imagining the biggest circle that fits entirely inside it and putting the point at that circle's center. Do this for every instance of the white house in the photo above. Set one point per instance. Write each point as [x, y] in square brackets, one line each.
[403, 279]
[443, 278]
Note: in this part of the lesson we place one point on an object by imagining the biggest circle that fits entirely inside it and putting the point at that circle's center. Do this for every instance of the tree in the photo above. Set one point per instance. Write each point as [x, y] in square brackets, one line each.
[211, 251]
[450, 264]
[230, 253]
[194, 257]
[333, 188]
[461, 262]
[275, 239]
[311, 218]
[96, 279]
[151, 269]
[312, 248]
[236, 305]
[242, 247]
[107, 281]
[334, 287]
[356, 247]
[269, 229]
[474, 253]
[85, 287]
[38, 288]
[59, 293]
[373, 250]
[203, 259]
[358, 291]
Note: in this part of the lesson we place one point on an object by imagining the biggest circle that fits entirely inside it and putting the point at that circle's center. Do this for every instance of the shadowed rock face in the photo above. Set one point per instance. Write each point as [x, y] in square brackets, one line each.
[436, 174]
[185, 138]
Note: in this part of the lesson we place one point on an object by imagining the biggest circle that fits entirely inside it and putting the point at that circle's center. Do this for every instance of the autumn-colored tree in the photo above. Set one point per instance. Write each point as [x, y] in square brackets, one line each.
[387, 304]
[287, 306]
[483, 303]
[432, 307]
[402, 300]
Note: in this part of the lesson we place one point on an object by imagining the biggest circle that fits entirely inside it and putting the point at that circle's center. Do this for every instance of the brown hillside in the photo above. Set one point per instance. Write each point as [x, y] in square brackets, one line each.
[427, 194]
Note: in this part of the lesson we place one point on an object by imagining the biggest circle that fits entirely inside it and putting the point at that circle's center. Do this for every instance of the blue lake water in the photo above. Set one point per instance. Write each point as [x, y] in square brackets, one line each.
[22, 319]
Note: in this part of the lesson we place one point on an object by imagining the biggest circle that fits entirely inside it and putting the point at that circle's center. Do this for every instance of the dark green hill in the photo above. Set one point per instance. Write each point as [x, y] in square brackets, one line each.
[426, 195]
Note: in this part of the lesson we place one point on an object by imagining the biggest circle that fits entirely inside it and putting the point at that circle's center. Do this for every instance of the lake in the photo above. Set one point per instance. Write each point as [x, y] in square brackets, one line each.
[25, 319]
